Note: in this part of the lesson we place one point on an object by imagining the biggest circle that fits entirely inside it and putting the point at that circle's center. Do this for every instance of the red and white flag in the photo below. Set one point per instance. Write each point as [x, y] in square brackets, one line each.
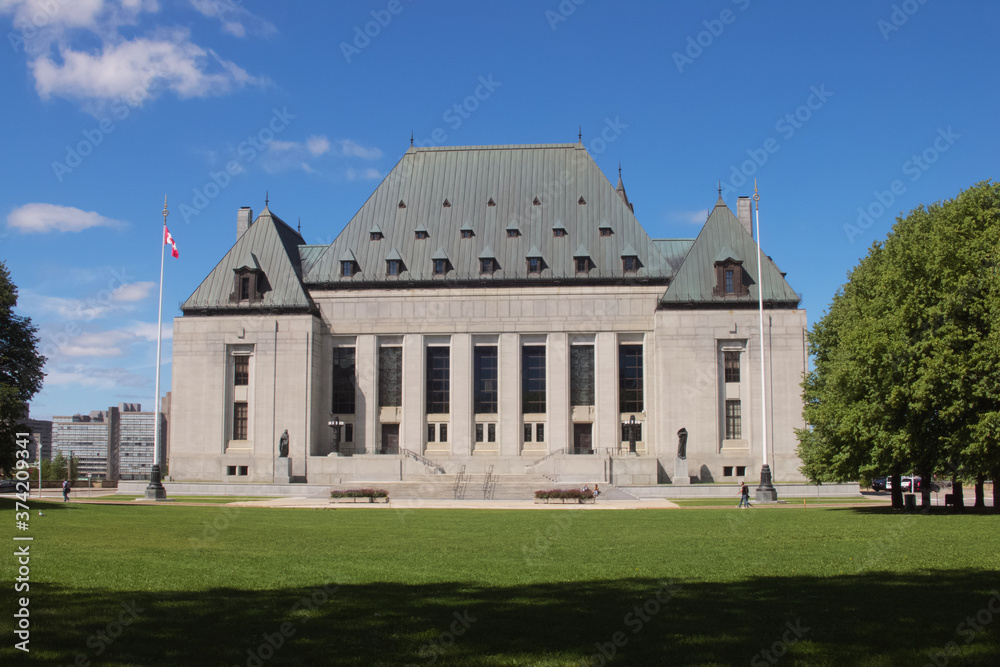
[169, 240]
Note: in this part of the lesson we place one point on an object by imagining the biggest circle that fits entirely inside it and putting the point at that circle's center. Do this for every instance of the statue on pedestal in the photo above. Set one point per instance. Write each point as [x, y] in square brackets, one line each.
[682, 443]
[283, 445]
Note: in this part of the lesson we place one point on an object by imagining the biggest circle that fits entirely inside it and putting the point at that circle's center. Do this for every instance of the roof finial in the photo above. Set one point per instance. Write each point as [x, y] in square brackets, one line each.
[579, 134]
[266, 198]
[411, 138]
[619, 170]
[300, 225]
[720, 187]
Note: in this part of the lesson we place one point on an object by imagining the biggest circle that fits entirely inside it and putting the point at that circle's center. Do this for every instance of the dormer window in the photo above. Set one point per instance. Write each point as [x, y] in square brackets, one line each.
[487, 266]
[421, 234]
[249, 285]
[440, 267]
[582, 264]
[534, 265]
[630, 264]
[730, 280]
[376, 236]
[466, 233]
[558, 232]
[348, 268]
[513, 233]
[393, 267]
[605, 231]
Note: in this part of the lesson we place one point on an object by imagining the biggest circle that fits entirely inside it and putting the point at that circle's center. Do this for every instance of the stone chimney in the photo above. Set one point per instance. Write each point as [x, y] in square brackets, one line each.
[244, 218]
[744, 214]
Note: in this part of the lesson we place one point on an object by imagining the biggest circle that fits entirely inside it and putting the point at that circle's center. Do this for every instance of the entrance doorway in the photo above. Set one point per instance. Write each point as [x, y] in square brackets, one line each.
[390, 439]
[582, 442]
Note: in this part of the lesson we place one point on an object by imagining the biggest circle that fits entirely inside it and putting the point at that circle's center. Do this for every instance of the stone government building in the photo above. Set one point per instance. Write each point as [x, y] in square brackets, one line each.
[488, 306]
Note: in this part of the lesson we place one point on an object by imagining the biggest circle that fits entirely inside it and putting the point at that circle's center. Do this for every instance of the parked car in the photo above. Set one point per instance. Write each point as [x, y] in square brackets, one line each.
[879, 484]
[7, 486]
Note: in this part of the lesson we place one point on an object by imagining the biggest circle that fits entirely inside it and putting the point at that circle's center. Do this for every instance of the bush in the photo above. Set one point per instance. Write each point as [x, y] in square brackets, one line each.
[575, 494]
[360, 493]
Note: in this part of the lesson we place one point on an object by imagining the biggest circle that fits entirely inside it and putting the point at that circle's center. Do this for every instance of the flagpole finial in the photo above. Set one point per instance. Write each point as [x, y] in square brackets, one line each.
[165, 211]
[756, 197]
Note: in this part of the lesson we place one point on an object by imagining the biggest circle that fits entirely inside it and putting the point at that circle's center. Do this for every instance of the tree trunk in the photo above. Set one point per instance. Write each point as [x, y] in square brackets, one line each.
[897, 492]
[957, 494]
[980, 498]
[925, 489]
[996, 491]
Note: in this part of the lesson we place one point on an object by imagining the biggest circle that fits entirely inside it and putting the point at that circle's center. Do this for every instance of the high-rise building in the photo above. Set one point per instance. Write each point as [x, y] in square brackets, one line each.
[111, 444]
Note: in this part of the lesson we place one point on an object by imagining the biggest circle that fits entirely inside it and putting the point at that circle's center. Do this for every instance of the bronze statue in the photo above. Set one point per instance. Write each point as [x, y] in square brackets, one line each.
[283, 445]
[682, 443]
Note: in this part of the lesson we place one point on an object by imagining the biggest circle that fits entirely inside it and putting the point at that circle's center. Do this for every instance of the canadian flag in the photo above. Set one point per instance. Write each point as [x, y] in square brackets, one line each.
[169, 240]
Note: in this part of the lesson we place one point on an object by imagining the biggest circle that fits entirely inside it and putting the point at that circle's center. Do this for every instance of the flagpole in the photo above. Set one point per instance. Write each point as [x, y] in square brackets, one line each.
[765, 491]
[155, 490]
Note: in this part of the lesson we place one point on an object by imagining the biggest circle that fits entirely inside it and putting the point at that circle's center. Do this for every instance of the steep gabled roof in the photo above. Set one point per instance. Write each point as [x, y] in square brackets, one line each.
[273, 248]
[723, 237]
[512, 177]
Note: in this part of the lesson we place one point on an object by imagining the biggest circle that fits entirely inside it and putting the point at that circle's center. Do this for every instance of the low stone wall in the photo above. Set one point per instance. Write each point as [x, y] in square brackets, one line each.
[785, 491]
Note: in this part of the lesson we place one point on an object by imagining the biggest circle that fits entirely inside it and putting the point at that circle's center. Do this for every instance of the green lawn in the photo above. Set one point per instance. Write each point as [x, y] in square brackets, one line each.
[180, 585]
[791, 502]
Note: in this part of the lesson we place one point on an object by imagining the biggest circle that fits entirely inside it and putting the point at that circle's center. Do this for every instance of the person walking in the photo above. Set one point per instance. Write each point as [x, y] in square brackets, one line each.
[744, 495]
[65, 490]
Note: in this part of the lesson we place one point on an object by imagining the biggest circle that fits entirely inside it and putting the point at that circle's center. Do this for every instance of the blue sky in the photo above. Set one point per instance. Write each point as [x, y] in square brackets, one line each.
[848, 114]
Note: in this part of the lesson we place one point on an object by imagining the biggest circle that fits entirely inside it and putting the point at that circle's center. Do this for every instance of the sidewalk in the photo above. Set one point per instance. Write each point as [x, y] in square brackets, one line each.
[439, 503]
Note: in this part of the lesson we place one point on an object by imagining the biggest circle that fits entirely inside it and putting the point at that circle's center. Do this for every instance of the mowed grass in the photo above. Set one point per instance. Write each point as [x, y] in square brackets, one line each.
[182, 585]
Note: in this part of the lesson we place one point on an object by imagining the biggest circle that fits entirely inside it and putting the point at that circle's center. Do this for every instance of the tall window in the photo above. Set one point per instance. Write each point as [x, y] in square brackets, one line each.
[485, 379]
[732, 364]
[241, 370]
[240, 418]
[533, 379]
[438, 380]
[390, 376]
[730, 288]
[343, 381]
[487, 265]
[734, 426]
[581, 375]
[244, 287]
[393, 267]
[630, 378]
[440, 267]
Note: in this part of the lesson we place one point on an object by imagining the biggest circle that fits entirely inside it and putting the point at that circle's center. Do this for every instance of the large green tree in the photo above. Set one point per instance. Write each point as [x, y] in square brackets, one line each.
[906, 360]
[20, 368]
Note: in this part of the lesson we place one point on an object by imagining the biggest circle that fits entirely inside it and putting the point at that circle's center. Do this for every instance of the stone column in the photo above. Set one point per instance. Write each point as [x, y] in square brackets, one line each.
[557, 394]
[509, 370]
[461, 395]
[607, 427]
[412, 430]
[365, 414]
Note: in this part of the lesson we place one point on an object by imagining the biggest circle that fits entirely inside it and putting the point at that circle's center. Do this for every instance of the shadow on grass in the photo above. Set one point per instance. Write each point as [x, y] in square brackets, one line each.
[867, 619]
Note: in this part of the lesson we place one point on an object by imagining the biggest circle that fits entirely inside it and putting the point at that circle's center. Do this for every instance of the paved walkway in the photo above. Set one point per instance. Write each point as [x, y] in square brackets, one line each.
[442, 503]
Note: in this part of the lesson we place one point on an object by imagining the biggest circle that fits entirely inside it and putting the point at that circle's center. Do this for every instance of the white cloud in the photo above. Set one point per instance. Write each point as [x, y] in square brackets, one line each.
[147, 330]
[235, 19]
[112, 67]
[133, 291]
[318, 144]
[690, 217]
[348, 147]
[362, 174]
[37, 218]
[96, 378]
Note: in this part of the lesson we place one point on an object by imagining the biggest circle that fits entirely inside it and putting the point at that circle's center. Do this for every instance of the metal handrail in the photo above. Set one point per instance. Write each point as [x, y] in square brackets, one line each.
[548, 456]
[422, 459]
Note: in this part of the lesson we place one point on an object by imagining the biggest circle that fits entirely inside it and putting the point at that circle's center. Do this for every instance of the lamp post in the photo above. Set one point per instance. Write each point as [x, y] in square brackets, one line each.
[334, 423]
[631, 434]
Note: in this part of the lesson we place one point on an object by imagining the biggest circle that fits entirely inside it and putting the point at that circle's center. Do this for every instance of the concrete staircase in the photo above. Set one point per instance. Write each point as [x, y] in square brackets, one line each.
[508, 487]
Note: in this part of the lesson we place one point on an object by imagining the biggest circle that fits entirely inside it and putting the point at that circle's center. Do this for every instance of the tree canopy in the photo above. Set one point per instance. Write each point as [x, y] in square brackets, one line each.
[906, 372]
[20, 368]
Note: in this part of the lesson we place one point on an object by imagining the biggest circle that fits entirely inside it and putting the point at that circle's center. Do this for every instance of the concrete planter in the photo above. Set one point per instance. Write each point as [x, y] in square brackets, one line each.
[359, 500]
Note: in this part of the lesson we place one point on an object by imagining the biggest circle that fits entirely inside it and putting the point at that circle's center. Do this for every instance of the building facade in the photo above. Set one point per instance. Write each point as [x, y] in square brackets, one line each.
[491, 306]
[111, 444]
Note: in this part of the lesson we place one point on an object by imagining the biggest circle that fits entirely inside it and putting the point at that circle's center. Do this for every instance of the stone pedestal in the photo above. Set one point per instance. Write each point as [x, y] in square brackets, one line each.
[681, 475]
[155, 490]
[283, 471]
[766, 493]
